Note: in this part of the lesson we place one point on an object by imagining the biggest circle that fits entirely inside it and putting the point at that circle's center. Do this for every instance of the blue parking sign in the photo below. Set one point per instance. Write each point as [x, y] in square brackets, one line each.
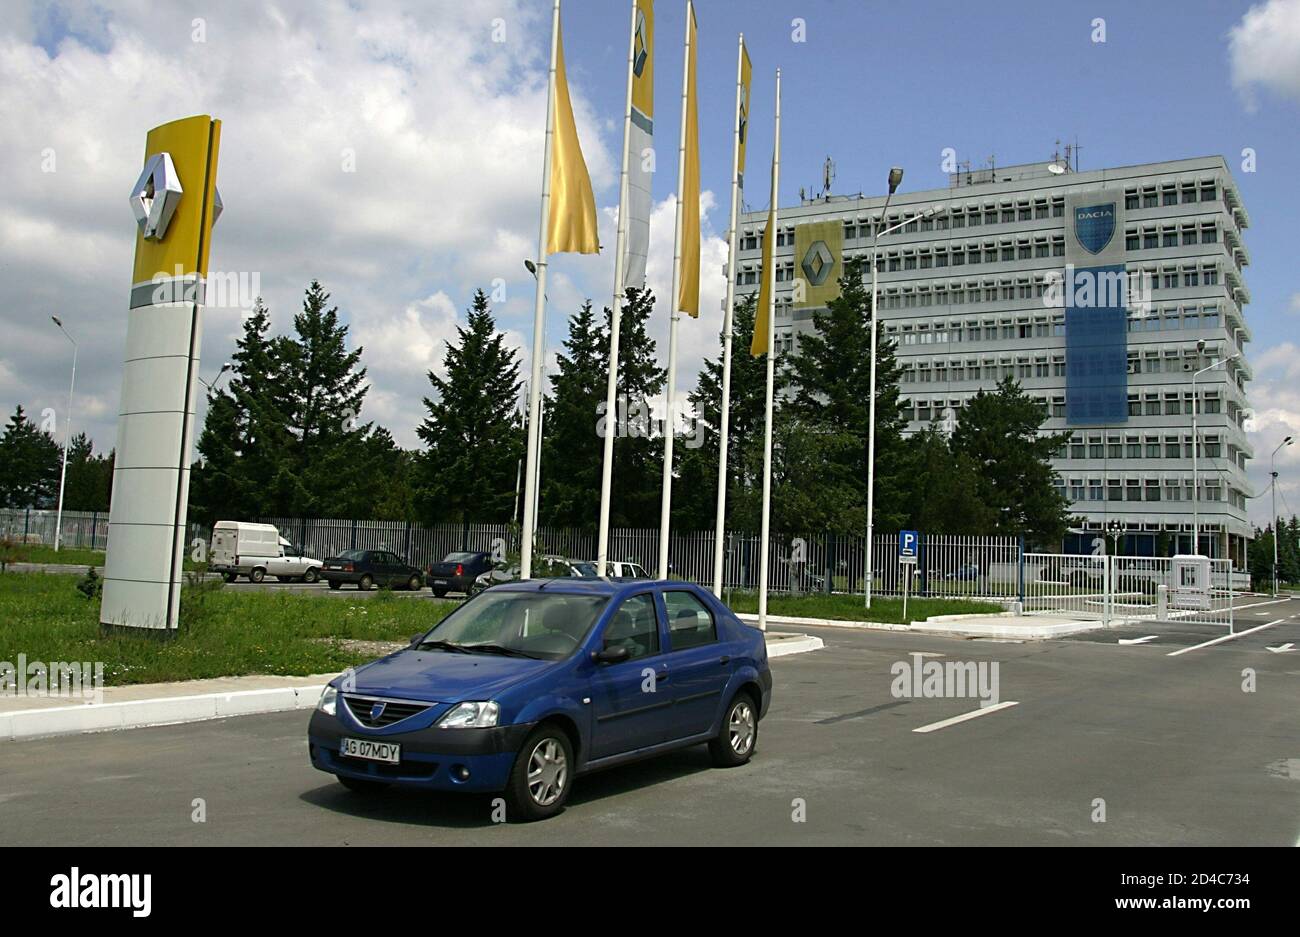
[909, 542]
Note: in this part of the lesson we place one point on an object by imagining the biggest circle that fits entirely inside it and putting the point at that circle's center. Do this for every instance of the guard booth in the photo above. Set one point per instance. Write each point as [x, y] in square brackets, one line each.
[1189, 585]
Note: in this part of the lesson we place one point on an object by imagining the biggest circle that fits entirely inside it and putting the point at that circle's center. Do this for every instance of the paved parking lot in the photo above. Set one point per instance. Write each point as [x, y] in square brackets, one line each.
[1170, 748]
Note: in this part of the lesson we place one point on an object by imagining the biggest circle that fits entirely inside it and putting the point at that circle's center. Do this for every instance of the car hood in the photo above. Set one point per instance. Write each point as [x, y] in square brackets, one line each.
[445, 677]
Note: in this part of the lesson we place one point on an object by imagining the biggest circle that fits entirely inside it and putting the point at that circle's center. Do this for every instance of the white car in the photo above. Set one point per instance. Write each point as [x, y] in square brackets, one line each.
[293, 565]
[622, 570]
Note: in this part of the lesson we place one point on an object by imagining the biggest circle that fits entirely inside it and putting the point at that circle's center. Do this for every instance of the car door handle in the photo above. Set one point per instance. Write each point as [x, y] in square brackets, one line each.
[725, 660]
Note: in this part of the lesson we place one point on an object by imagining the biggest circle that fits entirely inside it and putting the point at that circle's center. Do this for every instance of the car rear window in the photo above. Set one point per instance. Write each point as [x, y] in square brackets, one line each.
[460, 557]
[353, 555]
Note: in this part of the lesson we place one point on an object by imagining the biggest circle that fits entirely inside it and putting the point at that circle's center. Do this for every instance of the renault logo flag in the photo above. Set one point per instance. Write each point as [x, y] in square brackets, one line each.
[640, 146]
[1094, 226]
[746, 72]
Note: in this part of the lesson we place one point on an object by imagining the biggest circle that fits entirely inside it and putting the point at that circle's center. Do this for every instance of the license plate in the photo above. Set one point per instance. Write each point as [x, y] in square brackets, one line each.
[387, 752]
[440, 582]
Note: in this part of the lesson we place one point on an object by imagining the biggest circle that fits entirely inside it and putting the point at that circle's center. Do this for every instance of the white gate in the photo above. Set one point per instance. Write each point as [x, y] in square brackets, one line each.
[1129, 588]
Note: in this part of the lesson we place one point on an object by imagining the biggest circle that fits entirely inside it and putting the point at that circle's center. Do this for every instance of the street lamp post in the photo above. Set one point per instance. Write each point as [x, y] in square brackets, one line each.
[895, 177]
[67, 436]
[1196, 445]
[1272, 470]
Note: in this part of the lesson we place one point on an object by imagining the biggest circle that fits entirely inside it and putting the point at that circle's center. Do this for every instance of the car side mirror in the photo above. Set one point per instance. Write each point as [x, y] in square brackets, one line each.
[611, 655]
[415, 639]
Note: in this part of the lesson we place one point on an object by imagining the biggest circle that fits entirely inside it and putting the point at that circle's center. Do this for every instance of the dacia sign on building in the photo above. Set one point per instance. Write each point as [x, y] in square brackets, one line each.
[1096, 331]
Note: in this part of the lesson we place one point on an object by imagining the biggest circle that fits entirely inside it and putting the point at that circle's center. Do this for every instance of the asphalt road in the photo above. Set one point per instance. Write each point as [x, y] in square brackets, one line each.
[1175, 748]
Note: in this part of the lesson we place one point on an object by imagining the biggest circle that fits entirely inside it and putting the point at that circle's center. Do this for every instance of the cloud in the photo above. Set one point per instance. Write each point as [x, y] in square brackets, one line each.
[1275, 398]
[394, 153]
[1264, 50]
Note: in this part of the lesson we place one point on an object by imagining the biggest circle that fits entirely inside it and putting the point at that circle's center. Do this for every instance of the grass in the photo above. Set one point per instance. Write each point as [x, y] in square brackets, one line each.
[850, 607]
[222, 632]
[71, 556]
[67, 556]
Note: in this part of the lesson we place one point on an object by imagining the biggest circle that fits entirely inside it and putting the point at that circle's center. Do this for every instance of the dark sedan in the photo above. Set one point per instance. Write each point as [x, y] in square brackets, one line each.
[457, 572]
[369, 568]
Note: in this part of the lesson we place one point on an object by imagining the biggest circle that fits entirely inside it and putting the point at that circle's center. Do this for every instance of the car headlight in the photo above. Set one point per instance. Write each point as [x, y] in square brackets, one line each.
[472, 715]
[329, 701]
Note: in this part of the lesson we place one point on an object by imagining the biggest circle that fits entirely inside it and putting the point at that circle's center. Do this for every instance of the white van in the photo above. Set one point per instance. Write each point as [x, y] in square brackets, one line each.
[240, 549]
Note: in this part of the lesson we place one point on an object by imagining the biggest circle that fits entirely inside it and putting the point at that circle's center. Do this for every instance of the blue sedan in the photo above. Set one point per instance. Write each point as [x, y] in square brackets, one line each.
[530, 684]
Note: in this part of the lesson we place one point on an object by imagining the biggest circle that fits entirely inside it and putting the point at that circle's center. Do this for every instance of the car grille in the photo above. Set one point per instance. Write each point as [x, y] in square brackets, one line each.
[393, 711]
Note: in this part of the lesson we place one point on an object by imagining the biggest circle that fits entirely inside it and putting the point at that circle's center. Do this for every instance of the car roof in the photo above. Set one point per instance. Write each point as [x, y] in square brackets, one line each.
[575, 586]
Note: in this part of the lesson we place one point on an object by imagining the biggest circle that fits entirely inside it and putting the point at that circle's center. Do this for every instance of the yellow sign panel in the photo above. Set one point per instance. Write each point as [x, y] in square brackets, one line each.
[192, 143]
[818, 262]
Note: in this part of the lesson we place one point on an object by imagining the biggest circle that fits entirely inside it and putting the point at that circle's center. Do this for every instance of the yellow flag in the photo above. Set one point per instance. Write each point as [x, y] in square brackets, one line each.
[762, 321]
[572, 227]
[688, 293]
[746, 72]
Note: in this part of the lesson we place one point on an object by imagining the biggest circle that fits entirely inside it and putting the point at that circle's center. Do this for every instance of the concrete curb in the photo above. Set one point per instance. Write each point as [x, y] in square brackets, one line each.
[944, 626]
[133, 714]
[797, 645]
[823, 622]
[1034, 633]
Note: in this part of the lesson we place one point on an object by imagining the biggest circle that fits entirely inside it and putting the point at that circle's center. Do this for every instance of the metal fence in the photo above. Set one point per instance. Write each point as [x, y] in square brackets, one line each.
[81, 529]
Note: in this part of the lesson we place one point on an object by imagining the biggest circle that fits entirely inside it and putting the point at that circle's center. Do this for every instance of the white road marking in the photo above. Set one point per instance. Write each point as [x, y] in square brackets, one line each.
[1258, 604]
[1282, 648]
[1150, 637]
[1226, 637]
[944, 723]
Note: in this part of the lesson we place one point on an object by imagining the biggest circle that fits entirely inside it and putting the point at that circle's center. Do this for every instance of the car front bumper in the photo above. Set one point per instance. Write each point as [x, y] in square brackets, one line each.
[431, 758]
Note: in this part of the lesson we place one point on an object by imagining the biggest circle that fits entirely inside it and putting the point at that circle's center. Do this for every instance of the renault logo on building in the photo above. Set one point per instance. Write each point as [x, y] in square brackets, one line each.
[1094, 226]
[817, 263]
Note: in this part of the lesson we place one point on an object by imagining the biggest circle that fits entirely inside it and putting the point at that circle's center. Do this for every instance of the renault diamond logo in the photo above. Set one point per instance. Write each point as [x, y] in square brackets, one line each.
[376, 710]
[744, 113]
[817, 263]
[641, 51]
[1094, 226]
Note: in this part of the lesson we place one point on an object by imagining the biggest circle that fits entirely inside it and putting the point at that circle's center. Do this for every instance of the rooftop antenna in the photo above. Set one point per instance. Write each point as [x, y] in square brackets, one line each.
[1056, 167]
[828, 176]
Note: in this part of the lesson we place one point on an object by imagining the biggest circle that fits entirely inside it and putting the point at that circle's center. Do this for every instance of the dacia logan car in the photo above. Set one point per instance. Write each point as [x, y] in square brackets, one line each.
[530, 684]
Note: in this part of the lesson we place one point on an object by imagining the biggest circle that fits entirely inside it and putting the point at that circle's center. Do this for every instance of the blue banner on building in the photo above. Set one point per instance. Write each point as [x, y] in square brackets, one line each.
[1096, 350]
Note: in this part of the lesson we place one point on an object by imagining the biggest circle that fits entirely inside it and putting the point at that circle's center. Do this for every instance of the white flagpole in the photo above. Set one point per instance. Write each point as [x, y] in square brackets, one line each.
[670, 421]
[720, 520]
[611, 390]
[539, 320]
[771, 370]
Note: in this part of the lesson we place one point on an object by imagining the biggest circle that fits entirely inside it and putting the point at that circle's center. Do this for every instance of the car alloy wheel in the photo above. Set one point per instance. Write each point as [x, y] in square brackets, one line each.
[365, 583]
[548, 772]
[740, 728]
[311, 575]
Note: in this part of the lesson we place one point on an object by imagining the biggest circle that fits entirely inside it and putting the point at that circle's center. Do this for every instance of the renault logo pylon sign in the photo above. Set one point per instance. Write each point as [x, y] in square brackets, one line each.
[174, 202]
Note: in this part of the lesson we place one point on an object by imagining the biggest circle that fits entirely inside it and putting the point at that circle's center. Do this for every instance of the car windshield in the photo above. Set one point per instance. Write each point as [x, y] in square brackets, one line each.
[546, 626]
[353, 555]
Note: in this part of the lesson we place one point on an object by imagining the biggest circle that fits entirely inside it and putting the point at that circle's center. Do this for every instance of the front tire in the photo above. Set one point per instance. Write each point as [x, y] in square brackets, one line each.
[542, 776]
[311, 575]
[738, 736]
[360, 786]
[413, 584]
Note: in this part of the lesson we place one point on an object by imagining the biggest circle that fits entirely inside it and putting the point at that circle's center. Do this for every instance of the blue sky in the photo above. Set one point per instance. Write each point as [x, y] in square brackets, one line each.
[881, 84]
